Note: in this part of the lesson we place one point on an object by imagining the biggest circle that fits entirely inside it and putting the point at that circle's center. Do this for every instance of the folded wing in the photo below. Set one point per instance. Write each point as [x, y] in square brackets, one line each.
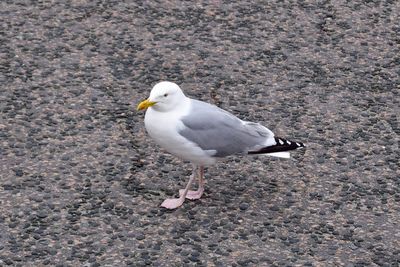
[222, 134]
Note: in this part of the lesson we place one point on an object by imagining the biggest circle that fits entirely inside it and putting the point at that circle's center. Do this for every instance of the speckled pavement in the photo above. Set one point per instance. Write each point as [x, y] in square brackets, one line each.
[81, 182]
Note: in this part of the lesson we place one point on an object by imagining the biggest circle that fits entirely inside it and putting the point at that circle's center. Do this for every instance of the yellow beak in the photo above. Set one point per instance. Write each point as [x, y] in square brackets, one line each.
[145, 104]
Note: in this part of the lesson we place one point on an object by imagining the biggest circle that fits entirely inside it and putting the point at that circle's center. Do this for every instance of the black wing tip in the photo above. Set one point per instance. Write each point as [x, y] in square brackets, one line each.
[284, 142]
[282, 145]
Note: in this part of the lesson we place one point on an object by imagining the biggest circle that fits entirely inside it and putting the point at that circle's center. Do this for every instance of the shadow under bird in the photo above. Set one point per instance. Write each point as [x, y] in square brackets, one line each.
[203, 133]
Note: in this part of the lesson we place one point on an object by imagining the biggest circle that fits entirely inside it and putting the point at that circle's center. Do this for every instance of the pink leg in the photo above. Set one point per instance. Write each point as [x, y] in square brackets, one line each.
[192, 195]
[173, 203]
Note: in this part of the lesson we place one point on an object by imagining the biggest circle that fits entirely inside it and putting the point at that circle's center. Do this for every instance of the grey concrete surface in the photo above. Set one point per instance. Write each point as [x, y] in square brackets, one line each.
[81, 183]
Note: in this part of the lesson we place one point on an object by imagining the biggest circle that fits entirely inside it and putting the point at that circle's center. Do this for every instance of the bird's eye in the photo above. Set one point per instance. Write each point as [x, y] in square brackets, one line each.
[165, 94]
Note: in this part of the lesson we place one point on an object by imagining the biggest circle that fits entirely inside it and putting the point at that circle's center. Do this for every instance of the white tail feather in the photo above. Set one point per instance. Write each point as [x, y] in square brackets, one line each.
[285, 155]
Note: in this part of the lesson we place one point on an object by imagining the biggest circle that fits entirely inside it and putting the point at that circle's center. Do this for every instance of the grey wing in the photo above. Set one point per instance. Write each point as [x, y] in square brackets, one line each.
[216, 130]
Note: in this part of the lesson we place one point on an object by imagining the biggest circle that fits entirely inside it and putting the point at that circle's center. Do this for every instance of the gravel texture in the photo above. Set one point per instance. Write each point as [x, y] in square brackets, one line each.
[81, 182]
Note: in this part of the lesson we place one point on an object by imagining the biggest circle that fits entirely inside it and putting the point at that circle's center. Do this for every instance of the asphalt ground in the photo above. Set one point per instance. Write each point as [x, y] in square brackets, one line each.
[81, 182]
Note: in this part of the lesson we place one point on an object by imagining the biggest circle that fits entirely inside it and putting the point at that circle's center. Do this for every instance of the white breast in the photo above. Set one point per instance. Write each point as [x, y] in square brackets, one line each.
[163, 127]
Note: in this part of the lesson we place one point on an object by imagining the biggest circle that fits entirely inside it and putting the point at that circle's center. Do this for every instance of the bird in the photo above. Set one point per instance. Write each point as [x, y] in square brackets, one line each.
[203, 134]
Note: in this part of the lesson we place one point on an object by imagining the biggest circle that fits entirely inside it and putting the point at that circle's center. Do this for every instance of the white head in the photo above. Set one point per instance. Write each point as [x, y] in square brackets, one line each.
[163, 97]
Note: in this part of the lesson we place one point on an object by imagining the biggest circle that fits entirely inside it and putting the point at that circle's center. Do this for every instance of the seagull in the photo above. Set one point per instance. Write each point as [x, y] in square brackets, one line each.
[202, 133]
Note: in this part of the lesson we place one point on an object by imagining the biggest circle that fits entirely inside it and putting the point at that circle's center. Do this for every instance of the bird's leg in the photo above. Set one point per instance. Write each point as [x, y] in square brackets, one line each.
[173, 203]
[199, 192]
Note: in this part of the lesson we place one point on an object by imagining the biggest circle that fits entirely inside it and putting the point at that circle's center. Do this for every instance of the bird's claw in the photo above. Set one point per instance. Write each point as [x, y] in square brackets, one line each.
[192, 195]
[172, 203]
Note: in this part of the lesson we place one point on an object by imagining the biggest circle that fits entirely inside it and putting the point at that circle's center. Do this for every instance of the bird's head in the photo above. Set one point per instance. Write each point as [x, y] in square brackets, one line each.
[163, 97]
